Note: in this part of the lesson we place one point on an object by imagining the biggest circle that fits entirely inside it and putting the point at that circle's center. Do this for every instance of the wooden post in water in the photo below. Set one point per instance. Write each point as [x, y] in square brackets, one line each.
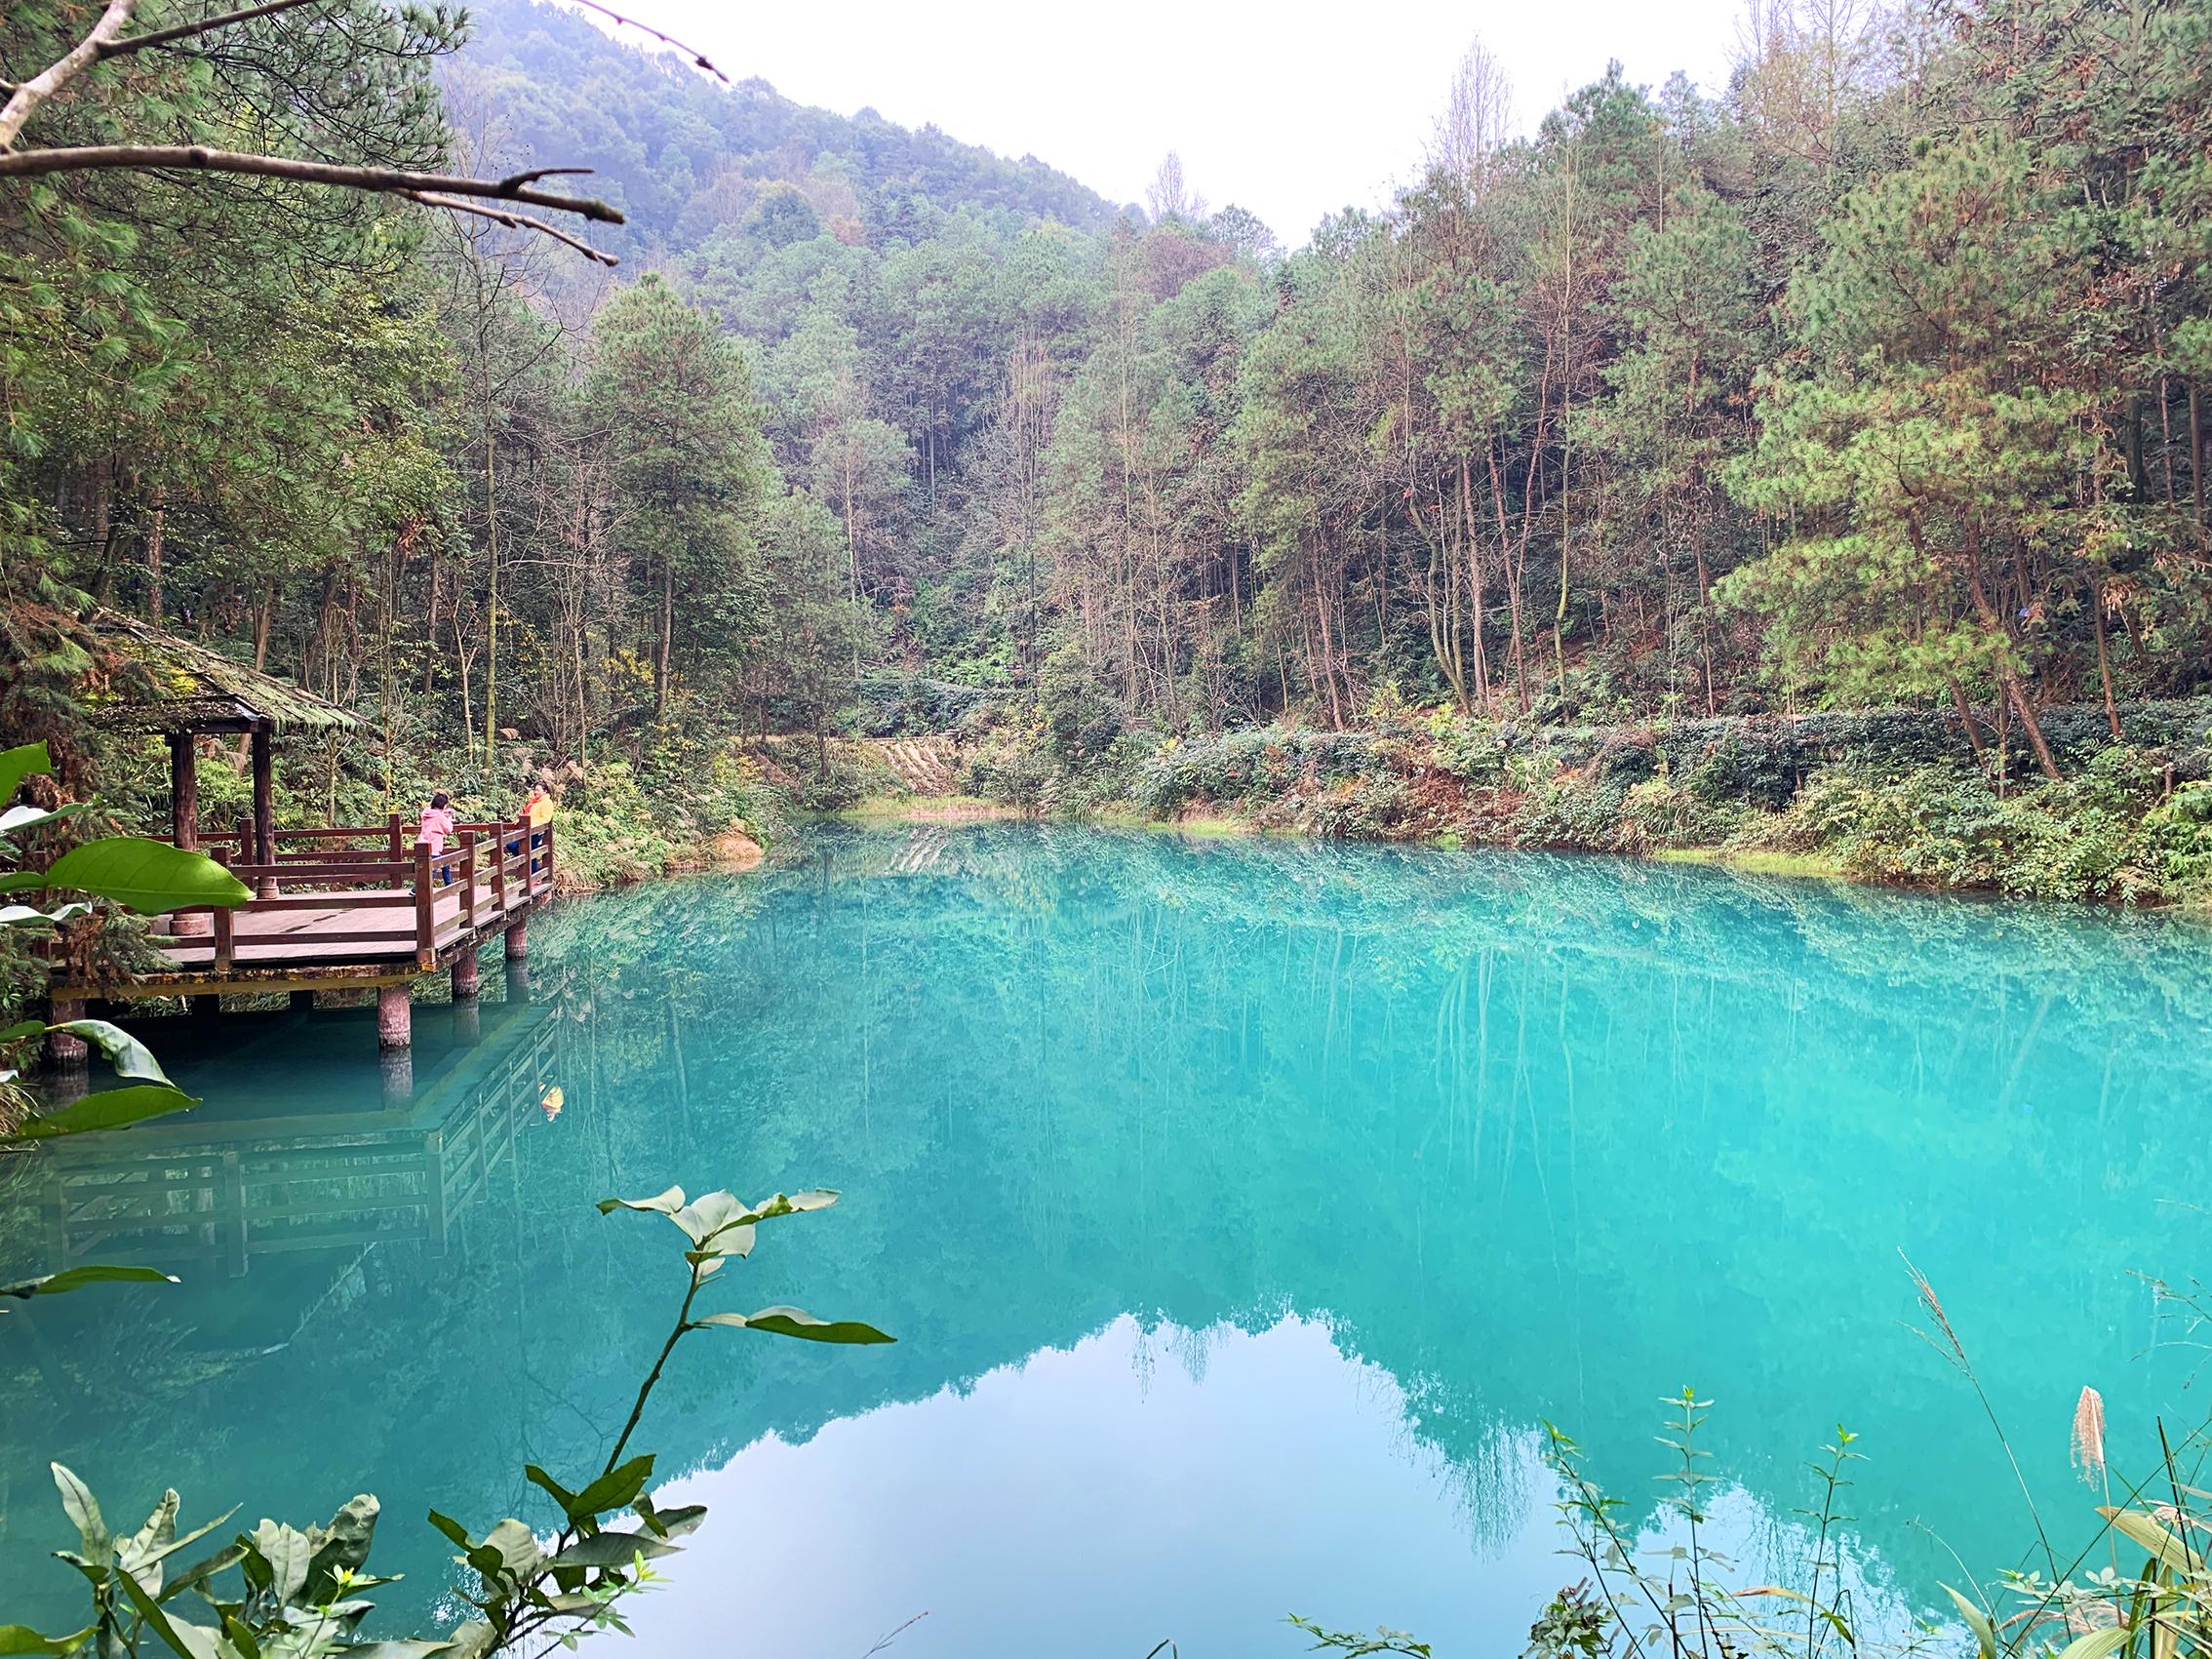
[395, 1018]
[466, 982]
[65, 1051]
[518, 940]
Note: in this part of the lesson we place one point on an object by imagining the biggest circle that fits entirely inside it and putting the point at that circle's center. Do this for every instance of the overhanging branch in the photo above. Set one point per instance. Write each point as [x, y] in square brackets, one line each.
[145, 158]
[512, 220]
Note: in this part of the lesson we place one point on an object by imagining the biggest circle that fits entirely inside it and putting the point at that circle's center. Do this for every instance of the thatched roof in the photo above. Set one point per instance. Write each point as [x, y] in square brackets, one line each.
[144, 680]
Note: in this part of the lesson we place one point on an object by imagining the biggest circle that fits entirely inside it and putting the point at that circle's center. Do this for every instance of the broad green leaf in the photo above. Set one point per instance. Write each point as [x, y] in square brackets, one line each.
[17, 763]
[708, 1214]
[222, 1560]
[22, 881]
[509, 1548]
[112, 1109]
[14, 820]
[21, 1029]
[148, 876]
[666, 1204]
[187, 1640]
[796, 1204]
[130, 1056]
[617, 1489]
[287, 1552]
[83, 1511]
[25, 914]
[797, 1321]
[240, 1637]
[610, 1550]
[22, 1639]
[2097, 1644]
[2171, 1549]
[343, 1546]
[1977, 1621]
[537, 1477]
[670, 1522]
[140, 1554]
[76, 1277]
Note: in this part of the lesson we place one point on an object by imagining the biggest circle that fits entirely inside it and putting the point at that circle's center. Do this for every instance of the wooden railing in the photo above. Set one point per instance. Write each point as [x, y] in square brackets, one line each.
[486, 866]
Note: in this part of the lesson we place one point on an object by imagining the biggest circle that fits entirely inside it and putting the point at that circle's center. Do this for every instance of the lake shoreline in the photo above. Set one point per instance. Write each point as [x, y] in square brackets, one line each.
[1202, 825]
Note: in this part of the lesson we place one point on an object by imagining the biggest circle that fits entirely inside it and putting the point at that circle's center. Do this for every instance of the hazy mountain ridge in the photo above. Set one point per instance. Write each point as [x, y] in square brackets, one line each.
[682, 153]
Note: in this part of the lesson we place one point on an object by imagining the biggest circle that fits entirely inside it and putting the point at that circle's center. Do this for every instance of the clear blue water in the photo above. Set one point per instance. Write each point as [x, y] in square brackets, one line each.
[1242, 1210]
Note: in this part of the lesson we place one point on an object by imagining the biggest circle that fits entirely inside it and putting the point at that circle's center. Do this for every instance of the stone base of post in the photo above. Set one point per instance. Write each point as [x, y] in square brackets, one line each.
[517, 941]
[465, 980]
[301, 1001]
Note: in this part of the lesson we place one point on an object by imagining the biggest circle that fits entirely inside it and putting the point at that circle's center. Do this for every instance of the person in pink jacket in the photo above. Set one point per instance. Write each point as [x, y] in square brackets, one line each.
[436, 829]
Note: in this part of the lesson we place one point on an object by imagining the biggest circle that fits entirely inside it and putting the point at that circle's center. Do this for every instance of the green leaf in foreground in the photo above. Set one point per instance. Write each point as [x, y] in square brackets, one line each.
[148, 876]
[1977, 1621]
[76, 1277]
[22, 1639]
[617, 1489]
[130, 1056]
[610, 1550]
[16, 764]
[112, 1109]
[797, 1321]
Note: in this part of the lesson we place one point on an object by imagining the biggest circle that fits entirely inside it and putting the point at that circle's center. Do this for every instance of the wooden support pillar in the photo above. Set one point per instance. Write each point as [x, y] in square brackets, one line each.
[395, 1018]
[518, 940]
[398, 1067]
[183, 792]
[205, 1007]
[185, 820]
[466, 982]
[301, 1001]
[264, 805]
[65, 1051]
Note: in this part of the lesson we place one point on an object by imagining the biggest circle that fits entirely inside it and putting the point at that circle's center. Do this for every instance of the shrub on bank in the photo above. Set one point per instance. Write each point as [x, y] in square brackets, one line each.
[1891, 796]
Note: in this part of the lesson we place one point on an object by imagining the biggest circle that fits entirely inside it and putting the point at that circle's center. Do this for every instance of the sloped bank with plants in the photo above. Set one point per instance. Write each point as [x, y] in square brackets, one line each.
[1912, 797]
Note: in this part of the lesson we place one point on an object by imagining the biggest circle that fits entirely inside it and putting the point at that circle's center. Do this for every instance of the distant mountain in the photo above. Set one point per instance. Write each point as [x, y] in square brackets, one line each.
[682, 153]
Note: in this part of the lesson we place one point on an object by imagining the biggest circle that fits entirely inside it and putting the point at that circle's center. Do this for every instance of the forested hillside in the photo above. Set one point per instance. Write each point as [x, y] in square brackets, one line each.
[693, 160]
[1872, 379]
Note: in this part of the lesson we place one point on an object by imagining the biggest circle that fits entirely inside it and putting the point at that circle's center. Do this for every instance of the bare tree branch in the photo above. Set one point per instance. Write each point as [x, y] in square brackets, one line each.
[26, 97]
[185, 31]
[33, 164]
[512, 220]
[691, 51]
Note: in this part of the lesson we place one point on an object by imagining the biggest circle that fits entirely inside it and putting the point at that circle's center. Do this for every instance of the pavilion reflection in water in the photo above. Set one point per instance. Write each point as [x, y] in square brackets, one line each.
[208, 1191]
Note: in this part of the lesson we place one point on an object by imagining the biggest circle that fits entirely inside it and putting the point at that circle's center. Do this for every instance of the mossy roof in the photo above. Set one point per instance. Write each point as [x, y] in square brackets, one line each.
[146, 680]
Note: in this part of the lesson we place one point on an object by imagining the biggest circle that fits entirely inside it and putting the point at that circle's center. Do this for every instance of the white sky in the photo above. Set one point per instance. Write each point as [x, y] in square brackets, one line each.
[1292, 109]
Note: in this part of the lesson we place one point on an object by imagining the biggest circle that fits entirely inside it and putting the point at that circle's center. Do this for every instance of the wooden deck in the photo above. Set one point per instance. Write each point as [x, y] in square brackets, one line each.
[350, 909]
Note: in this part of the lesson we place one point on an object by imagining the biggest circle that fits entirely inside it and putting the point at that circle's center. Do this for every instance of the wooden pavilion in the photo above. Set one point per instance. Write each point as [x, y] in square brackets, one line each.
[335, 908]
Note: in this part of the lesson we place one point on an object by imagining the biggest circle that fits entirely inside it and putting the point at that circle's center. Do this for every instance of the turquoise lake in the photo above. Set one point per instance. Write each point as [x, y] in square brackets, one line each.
[1244, 1209]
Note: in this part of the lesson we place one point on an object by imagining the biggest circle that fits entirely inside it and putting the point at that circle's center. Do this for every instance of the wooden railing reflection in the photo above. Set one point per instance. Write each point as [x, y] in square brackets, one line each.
[221, 1192]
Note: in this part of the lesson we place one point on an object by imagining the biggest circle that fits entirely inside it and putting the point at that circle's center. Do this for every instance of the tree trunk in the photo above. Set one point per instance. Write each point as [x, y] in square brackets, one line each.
[153, 554]
[662, 646]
